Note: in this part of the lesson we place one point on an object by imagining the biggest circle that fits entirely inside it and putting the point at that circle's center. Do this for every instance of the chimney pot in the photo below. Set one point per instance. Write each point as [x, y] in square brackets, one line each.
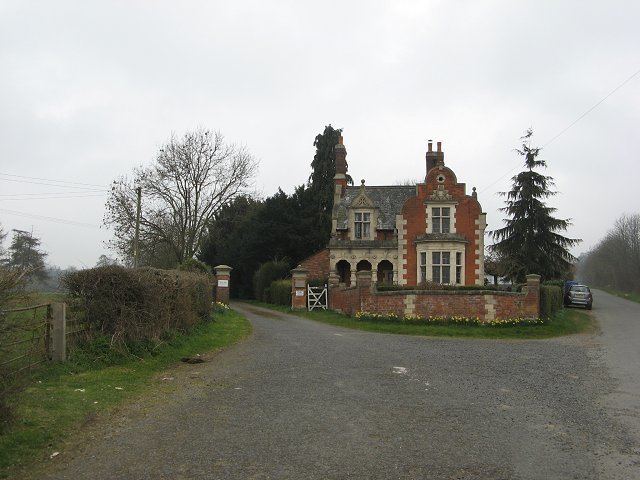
[340, 140]
[430, 146]
[439, 146]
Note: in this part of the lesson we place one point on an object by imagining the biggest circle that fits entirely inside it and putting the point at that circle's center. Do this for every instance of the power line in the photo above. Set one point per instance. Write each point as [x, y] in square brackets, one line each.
[53, 180]
[89, 189]
[40, 193]
[53, 197]
[51, 219]
[587, 112]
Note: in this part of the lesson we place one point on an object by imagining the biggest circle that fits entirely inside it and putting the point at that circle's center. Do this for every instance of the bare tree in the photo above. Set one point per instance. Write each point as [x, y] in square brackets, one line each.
[615, 261]
[191, 179]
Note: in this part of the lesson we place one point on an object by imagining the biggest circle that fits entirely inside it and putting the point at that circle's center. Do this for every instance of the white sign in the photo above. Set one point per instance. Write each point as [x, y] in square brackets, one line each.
[299, 293]
[223, 283]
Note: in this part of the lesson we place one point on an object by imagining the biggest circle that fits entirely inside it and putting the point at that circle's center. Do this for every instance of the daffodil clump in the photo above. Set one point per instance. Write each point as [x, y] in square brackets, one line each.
[220, 307]
[447, 320]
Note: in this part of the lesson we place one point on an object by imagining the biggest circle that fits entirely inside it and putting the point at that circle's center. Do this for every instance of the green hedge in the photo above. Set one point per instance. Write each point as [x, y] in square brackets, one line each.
[267, 273]
[138, 304]
[280, 292]
[550, 300]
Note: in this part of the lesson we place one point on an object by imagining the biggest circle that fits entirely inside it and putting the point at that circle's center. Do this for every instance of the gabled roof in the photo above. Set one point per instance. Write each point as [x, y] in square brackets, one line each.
[387, 199]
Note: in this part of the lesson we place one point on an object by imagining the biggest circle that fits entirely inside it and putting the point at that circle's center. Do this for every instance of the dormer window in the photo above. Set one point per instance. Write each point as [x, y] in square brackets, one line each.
[362, 225]
[441, 219]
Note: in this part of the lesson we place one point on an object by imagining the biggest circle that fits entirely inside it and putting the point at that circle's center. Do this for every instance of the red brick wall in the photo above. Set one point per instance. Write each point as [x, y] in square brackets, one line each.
[470, 304]
[317, 264]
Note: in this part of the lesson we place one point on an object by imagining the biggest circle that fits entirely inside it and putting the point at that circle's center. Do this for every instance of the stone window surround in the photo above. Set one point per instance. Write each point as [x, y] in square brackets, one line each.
[352, 222]
[429, 247]
[440, 204]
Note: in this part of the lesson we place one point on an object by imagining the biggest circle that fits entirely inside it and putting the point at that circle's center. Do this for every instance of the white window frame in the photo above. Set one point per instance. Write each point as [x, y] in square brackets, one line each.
[432, 208]
[438, 264]
[453, 248]
[362, 223]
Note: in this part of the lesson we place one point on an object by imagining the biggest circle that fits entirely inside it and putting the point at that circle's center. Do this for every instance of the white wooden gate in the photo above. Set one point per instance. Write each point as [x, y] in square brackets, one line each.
[317, 298]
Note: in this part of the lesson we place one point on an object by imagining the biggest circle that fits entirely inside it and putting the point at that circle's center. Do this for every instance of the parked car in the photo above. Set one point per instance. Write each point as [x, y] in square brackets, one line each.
[579, 295]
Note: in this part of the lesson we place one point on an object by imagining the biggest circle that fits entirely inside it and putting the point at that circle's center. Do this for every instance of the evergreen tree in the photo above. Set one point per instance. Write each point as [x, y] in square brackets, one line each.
[318, 197]
[530, 242]
[25, 254]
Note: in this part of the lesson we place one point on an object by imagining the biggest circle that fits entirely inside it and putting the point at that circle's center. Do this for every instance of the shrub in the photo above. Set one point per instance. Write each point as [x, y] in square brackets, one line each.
[317, 282]
[267, 273]
[132, 305]
[280, 292]
[550, 300]
[557, 283]
[194, 265]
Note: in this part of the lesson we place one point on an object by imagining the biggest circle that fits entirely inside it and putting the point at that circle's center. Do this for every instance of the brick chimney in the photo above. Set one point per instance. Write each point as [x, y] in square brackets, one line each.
[340, 178]
[434, 158]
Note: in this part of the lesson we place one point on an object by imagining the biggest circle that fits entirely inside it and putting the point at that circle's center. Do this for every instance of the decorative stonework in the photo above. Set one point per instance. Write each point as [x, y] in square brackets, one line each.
[481, 225]
[440, 194]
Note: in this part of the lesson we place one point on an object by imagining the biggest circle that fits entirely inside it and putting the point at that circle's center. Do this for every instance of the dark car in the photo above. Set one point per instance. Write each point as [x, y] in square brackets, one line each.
[579, 295]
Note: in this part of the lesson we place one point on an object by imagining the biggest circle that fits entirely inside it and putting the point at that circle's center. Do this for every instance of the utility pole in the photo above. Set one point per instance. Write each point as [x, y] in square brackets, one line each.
[137, 237]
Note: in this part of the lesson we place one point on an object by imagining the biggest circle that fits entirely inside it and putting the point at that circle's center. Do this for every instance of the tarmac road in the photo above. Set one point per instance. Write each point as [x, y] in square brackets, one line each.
[305, 400]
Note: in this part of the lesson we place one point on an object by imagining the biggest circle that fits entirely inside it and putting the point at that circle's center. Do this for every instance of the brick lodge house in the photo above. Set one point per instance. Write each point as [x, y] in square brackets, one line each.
[429, 232]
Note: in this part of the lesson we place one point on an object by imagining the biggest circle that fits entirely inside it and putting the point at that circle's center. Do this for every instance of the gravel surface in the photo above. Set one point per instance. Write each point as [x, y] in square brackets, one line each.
[305, 400]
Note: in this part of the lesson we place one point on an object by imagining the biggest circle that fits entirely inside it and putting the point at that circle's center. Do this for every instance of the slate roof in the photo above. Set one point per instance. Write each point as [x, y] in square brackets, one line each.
[387, 199]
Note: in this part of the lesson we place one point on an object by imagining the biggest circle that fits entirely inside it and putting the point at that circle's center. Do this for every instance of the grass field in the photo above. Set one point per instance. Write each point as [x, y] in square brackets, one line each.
[566, 322]
[59, 398]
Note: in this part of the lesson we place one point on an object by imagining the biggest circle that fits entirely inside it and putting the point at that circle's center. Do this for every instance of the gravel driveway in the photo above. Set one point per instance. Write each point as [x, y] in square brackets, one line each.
[305, 400]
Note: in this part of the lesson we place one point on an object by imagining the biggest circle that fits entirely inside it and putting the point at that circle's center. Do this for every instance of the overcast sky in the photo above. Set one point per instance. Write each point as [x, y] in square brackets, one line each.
[88, 90]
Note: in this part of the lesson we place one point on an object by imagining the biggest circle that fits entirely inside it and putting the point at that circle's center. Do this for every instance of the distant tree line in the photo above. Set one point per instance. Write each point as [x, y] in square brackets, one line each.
[615, 261]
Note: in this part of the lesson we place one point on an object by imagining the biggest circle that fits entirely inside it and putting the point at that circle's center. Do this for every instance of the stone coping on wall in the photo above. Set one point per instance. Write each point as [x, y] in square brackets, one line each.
[447, 292]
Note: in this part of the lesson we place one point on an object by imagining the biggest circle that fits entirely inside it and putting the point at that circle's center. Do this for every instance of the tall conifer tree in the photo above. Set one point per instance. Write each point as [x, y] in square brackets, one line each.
[529, 242]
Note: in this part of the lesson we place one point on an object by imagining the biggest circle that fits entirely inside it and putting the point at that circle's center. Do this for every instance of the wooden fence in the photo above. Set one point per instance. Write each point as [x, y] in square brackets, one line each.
[32, 335]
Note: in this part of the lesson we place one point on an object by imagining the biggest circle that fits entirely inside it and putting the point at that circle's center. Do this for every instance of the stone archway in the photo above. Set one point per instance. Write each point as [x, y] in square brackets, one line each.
[343, 269]
[384, 272]
[363, 265]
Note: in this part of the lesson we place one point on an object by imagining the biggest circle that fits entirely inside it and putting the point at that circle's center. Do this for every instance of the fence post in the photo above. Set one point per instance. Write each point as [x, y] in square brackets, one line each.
[299, 288]
[58, 332]
[223, 277]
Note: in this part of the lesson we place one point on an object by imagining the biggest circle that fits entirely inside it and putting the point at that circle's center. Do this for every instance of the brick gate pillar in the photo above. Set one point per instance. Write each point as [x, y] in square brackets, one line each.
[223, 279]
[364, 284]
[299, 278]
[532, 298]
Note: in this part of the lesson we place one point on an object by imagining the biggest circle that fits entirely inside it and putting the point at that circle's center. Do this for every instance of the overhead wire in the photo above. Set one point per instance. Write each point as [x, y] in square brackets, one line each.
[587, 112]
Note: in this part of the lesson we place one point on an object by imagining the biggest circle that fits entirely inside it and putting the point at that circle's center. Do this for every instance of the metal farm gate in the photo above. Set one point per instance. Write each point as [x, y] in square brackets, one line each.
[317, 298]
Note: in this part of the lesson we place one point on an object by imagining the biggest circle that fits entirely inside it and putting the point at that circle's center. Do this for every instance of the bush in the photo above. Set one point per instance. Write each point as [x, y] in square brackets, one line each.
[557, 283]
[551, 300]
[133, 305]
[317, 282]
[280, 292]
[194, 265]
[267, 273]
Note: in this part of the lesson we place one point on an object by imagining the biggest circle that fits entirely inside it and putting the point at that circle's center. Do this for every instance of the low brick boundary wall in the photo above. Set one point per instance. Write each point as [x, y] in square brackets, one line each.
[486, 305]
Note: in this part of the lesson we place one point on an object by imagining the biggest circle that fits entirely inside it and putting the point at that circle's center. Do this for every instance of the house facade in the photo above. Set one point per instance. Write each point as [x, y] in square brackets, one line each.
[429, 232]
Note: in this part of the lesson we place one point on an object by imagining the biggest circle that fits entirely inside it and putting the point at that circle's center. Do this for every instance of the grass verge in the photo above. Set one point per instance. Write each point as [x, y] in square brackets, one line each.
[565, 322]
[634, 297]
[61, 397]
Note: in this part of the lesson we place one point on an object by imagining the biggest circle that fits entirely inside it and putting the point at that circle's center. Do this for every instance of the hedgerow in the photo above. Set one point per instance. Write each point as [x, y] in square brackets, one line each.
[551, 300]
[132, 305]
